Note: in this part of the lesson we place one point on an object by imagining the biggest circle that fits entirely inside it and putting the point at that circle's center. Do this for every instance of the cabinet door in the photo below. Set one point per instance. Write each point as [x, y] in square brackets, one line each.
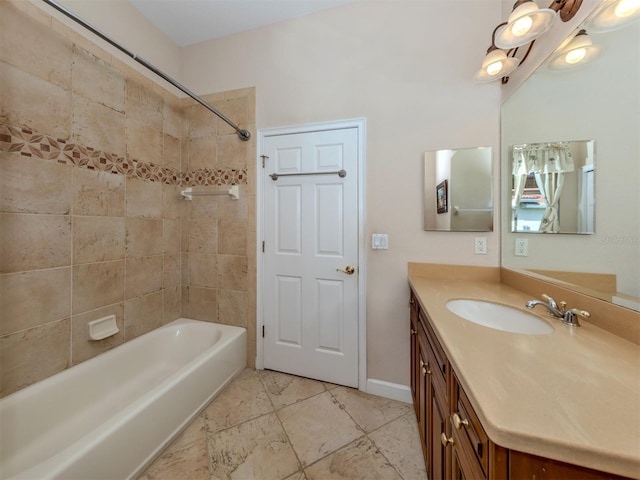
[439, 450]
[415, 359]
[422, 404]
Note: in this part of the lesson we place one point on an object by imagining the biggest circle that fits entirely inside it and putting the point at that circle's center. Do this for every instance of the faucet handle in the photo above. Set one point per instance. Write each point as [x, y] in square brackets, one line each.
[550, 300]
[581, 313]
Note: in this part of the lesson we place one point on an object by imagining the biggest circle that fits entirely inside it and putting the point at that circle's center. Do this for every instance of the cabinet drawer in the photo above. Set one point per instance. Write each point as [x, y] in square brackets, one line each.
[468, 432]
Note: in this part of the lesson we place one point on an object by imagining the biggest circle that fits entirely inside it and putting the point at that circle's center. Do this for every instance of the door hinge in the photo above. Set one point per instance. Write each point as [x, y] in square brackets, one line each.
[264, 158]
[262, 331]
[263, 246]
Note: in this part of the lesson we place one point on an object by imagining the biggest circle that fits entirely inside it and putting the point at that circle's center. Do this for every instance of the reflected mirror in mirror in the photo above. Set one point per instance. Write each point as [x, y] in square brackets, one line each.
[552, 187]
[458, 190]
[597, 101]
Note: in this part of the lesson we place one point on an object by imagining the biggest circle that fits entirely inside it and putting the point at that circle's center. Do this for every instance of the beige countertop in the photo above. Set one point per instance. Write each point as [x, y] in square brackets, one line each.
[572, 395]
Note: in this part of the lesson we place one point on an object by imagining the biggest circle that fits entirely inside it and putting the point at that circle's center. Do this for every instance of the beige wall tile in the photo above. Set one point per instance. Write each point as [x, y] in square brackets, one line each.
[172, 270]
[32, 355]
[144, 143]
[202, 153]
[144, 236]
[29, 44]
[203, 236]
[232, 307]
[29, 299]
[205, 207]
[232, 272]
[142, 314]
[200, 303]
[31, 242]
[97, 80]
[27, 100]
[232, 237]
[231, 209]
[144, 105]
[97, 126]
[97, 193]
[173, 118]
[96, 285]
[172, 235]
[235, 108]
[143, 275]
[98, 239]
[171, 304]
[143, 199]
[201, 122]
[32, 185]
[82, 347]
[171, 152]
[232, 152]
[185, 269]
[203, 270]
[173, 205]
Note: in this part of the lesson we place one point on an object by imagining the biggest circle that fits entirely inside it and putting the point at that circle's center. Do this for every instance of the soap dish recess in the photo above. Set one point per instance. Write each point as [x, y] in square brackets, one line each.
[103, 328]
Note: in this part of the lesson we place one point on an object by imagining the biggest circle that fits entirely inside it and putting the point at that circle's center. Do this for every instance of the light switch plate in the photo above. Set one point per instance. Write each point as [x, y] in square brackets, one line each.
[380, 241]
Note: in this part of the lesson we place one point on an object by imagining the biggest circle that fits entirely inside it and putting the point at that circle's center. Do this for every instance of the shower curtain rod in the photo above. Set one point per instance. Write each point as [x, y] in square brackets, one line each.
[243, 134]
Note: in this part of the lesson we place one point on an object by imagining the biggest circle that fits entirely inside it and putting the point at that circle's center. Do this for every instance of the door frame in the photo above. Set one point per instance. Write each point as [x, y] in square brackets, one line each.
[360, 125]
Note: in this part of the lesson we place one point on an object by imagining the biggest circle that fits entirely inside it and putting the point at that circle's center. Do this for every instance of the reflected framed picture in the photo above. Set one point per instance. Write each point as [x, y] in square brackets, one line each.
[442, 205]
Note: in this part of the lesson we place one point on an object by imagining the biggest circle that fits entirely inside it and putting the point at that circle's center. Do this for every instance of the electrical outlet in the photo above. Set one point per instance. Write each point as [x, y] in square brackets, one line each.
[522, 247]
[481, 245]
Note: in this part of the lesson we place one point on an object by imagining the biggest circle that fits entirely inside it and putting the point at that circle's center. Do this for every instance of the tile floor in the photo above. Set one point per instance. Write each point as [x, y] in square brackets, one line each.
[269, 425]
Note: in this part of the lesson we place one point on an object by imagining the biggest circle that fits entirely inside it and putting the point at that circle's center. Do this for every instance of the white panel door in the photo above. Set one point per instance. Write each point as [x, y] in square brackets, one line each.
[311, 242]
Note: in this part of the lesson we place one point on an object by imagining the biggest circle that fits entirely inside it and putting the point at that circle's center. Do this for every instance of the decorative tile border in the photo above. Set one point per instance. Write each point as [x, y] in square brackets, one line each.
[26, 142]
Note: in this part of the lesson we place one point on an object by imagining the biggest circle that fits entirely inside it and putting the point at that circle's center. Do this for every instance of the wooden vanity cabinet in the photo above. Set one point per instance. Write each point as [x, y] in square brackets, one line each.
[429, 374]
[454, 443]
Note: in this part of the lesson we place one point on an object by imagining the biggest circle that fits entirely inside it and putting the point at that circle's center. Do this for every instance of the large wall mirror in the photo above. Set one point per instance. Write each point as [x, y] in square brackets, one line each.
[458, 190]
[598, 103]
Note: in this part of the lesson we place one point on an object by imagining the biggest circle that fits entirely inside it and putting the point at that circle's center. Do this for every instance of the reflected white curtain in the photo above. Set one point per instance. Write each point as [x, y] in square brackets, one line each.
[518, 189]
[549, 163]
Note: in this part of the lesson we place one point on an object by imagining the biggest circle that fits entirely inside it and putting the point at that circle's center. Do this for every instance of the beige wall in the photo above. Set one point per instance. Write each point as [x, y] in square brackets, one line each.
[406, 66]
[93, 157]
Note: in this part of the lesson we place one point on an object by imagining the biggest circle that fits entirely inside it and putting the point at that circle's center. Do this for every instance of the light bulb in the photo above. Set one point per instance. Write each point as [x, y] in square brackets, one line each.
[626, 8]
[522, 26]
[575, 56]
[494, 68]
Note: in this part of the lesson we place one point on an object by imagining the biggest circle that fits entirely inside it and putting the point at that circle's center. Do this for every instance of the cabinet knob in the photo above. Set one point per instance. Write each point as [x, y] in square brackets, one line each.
[412, 302]
[413, 332]
[446, 441]
[459, 422]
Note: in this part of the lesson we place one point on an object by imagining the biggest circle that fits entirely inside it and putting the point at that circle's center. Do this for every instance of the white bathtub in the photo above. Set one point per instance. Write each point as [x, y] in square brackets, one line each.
[109, 417]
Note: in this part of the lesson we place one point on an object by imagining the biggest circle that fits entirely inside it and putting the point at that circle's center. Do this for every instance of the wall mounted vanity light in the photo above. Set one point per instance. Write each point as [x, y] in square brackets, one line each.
[578, 51]
[613, 14]
[526, 23]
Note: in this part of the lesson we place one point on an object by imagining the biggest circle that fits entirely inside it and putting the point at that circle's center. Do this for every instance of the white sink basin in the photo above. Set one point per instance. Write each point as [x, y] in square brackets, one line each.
[499, 317]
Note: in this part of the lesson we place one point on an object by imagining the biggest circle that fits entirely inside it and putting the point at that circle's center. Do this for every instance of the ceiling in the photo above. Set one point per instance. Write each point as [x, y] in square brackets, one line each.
[191, 21]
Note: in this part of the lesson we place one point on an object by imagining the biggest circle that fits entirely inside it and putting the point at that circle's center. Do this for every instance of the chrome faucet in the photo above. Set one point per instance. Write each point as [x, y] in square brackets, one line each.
[570, 317]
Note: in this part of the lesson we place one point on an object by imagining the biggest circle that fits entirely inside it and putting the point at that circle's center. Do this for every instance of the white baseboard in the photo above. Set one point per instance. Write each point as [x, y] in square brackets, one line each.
[393, 391]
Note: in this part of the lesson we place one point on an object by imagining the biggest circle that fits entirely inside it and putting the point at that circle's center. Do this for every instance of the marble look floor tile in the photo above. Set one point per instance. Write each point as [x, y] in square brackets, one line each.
[297, 476]
[399, 441]
[257, 449]
[284, 389]
[242, 400]
[358, 460]
[317, 426]
[369, 411]
[190, 462]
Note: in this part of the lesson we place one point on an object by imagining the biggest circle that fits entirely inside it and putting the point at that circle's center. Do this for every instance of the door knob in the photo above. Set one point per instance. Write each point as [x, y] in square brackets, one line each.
[348, 270]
